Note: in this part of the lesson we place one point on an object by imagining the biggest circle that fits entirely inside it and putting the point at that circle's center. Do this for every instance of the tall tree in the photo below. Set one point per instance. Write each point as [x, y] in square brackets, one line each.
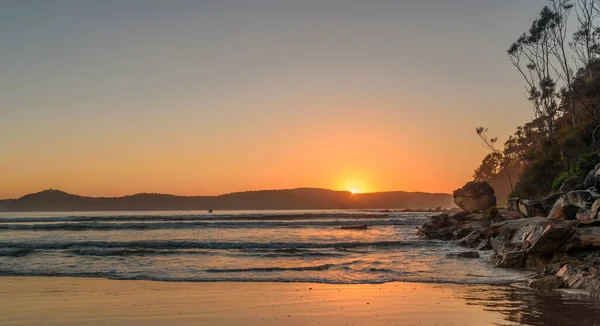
[495, 154]
[585, 48]
[585, 38]
[531, 54]
[490, 167]
[558, 16]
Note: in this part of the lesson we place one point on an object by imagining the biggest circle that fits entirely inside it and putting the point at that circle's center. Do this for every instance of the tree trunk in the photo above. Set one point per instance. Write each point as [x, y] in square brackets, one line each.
[572, 107]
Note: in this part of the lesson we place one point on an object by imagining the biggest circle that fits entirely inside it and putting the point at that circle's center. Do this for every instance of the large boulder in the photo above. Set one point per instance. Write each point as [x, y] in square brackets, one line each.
[508, 259]
[592, 178]
[531, 243]
[595, 210]
[589, 237]
[563, 210]
[531, 208]
[513, 204]
[572, 183]
[471, 239]
[475, 196]
[547, 283]
[582, 276]
[451, 227]
[549, 202]
[439, 227]
[484, 245]
[575, 204]
[506, 214]
[509, 227]
[546, 237]
[582, 198]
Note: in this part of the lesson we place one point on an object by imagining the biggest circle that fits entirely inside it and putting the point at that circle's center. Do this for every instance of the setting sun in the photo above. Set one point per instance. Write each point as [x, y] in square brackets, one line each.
[354, 191]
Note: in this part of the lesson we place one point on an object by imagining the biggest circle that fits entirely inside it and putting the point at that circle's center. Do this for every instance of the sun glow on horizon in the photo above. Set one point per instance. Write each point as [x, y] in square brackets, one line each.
[355, 185]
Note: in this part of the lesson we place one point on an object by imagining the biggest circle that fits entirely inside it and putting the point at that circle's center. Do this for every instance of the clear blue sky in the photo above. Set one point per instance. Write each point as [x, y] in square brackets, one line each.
[206, 97]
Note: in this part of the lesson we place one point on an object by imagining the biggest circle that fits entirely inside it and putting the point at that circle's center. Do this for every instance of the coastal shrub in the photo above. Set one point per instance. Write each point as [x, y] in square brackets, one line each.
[560, 180]
[583, 164]
[493, 212]
[542, 169]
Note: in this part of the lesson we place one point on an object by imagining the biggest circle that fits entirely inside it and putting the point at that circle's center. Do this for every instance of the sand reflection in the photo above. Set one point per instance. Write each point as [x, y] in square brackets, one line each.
[75, 301]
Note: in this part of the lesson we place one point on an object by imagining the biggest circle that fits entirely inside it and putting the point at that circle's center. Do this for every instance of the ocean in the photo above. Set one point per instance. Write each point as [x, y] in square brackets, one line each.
[241, 246]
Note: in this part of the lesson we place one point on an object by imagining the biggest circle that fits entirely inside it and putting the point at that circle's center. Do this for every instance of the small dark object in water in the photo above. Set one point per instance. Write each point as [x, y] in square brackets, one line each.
[466, 254]
[355, 227]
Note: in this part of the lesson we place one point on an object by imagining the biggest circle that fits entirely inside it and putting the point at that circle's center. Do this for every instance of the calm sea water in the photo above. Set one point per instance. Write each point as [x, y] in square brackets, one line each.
[278, 246]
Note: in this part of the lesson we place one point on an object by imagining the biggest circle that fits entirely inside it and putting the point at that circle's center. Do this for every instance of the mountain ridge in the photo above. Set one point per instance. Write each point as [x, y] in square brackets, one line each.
[298, 198]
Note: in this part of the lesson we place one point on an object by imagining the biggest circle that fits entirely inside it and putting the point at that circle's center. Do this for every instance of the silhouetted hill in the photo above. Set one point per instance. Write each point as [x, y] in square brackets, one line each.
[301, 198]
[4, 203]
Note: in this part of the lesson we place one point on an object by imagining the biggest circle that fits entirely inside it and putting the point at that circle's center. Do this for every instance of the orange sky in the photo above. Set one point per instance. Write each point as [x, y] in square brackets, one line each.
[356, 151]
[105, 99]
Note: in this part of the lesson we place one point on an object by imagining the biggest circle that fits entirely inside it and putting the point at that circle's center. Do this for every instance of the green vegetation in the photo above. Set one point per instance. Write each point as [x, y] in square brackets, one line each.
[561, 73]
[578, 170]
[493, 212]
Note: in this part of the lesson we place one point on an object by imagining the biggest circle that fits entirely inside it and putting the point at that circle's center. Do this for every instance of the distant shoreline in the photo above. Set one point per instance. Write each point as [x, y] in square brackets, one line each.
[367, 210]
[287, 199]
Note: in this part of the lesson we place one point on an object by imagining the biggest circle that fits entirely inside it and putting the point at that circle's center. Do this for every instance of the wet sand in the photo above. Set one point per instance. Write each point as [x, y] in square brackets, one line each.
[77, 301]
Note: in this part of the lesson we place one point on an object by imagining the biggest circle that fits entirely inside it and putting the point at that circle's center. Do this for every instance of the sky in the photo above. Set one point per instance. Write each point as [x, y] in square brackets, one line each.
[108, 98]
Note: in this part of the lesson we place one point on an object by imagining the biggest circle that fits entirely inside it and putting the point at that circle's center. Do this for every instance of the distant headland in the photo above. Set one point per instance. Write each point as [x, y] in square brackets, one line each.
[300, 198]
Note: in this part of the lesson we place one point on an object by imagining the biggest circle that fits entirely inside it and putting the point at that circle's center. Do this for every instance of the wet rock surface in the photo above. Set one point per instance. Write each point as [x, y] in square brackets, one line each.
[548, 282]
[565, 253]
[557, 236]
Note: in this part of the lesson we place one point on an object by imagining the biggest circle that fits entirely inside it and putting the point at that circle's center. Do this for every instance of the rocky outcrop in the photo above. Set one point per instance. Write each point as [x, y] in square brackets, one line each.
[592, 178]
[547, 283]
[565, 253]
[563, 210]
[514, 258]
[577, 204]
[471, 240]
[582, 276]
[533, 243]
[484, 245]
[589, 236]
[531, 208]
[572, 183]
[560, 236]
[513, 204]
[440, 227]
[595, 210]
[475, 196]
[549, 202]
[451, 227]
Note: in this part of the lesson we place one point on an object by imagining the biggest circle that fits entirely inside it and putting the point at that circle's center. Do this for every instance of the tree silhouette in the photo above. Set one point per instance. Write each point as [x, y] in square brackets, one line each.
[490, 144]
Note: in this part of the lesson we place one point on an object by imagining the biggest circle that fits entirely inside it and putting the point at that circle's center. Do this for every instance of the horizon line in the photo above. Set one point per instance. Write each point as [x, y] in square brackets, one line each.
[229, 193]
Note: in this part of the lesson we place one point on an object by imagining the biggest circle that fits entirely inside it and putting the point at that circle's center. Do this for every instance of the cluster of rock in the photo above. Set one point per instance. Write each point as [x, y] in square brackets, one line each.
[558, 236]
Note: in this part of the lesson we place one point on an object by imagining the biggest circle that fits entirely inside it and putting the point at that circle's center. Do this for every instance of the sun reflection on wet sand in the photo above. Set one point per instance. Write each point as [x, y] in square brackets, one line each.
[62, 301]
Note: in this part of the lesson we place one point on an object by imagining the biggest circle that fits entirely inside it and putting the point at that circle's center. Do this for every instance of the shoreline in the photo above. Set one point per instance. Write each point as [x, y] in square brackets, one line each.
[563, 254]
[517, 283]
[72, 301]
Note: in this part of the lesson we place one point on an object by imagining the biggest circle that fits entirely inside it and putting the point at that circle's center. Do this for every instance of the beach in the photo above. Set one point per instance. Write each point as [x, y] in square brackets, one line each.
[77, 301]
